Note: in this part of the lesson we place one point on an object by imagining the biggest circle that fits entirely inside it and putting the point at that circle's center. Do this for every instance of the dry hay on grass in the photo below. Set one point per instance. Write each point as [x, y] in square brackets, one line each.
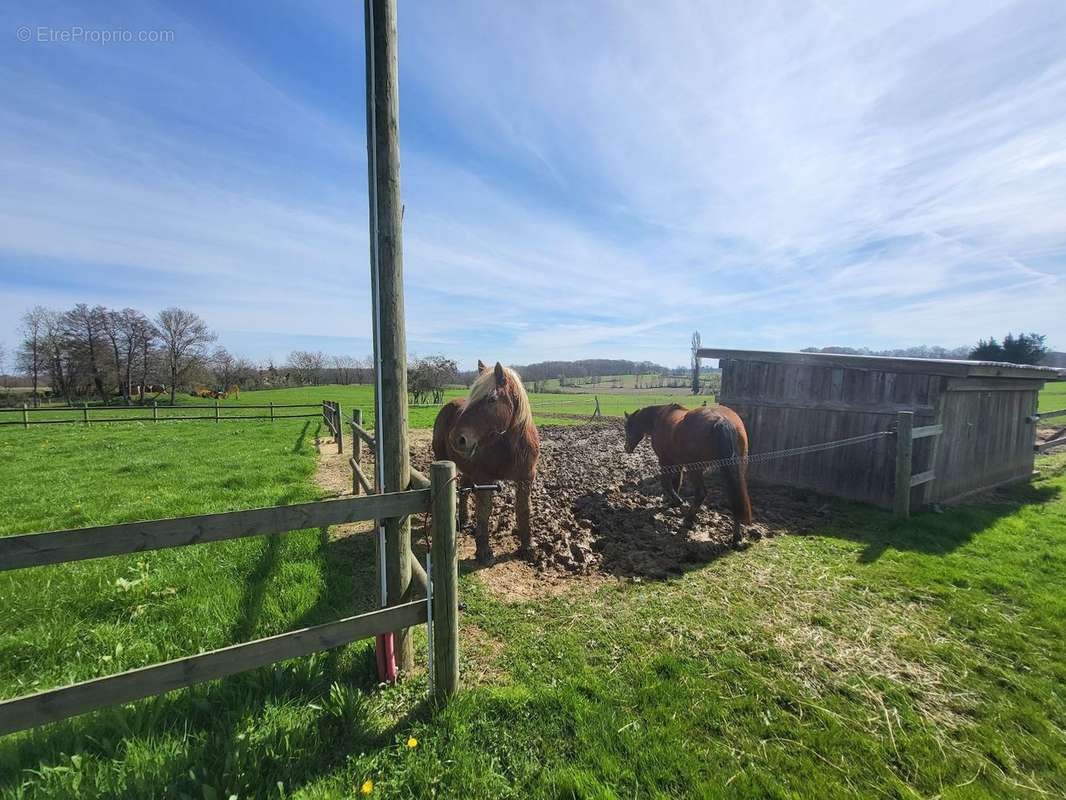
[836, 636]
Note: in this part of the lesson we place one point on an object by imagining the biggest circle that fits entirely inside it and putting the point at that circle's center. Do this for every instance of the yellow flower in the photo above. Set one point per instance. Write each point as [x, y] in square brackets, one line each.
[367, 787]
[412, 743]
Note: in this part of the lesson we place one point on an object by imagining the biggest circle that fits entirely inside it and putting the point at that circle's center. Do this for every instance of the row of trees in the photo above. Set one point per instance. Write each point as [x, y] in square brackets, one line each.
[1025, 348]
[90, 351]
[93, 351]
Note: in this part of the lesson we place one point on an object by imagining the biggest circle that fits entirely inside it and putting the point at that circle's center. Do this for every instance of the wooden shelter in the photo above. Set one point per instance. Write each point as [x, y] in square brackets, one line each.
[971, 422]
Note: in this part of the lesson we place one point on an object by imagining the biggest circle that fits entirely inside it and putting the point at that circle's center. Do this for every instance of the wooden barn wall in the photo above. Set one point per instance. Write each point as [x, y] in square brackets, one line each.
[790, 405]
[987, 440]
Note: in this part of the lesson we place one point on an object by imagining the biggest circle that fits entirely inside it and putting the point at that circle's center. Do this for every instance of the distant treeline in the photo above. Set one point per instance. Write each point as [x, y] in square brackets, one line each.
[586, 368]
[1023, 348]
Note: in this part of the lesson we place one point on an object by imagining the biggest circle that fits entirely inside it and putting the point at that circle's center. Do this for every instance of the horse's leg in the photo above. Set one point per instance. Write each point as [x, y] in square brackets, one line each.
[464, 501]
[700, 489]
[483, 507]
[523, 489]
[671, 481]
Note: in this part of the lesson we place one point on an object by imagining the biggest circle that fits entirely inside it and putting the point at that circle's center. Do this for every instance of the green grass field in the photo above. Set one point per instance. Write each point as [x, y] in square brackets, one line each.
[1053, 396]
[871, 658]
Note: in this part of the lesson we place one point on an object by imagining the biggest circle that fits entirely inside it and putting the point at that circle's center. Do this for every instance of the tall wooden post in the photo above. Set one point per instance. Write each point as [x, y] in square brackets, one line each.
[445, 581]
[271, 410]
[216, 411]
[25, 416]
[85, 413]
[386, 243]
[904, 449]
[155, 411]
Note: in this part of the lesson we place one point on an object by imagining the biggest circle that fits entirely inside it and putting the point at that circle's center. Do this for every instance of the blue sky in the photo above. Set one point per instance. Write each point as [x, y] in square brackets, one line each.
[584, 179]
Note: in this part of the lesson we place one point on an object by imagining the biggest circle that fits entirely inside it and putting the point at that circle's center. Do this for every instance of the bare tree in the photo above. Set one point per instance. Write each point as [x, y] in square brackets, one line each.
[185, 338]
[84, 327]
[29, 358]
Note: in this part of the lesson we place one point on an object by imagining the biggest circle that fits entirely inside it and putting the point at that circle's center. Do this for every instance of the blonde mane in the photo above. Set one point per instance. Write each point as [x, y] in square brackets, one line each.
[486, 382]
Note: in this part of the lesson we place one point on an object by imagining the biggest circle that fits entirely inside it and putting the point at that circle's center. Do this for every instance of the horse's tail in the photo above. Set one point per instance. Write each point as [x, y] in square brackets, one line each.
[726, 440]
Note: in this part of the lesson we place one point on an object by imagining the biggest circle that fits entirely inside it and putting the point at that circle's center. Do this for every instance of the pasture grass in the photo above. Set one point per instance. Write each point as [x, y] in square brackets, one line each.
[1053, 396]
[872, 658]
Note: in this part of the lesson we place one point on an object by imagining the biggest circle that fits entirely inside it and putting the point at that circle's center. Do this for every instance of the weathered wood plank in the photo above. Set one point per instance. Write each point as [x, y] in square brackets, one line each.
[888, 409]
[927, 430]
[923, 366]
[445, 582]
[362, 433]
[418, 480]
[357, 473]
[1051, 414]
[56, 704]
[904, 450]
[923, 477]
[1043, 448]
[56, 547]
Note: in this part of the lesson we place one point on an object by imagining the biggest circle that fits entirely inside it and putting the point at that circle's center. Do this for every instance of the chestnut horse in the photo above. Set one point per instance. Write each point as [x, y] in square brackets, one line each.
[680, 436]
[490, 436]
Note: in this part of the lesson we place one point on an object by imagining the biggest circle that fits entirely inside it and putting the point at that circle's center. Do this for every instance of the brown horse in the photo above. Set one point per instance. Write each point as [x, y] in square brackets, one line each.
[490, 436]
[680, 436]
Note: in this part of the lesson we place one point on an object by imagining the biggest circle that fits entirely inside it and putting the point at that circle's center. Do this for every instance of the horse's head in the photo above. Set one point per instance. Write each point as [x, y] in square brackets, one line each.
[636, 428]
[497, 405]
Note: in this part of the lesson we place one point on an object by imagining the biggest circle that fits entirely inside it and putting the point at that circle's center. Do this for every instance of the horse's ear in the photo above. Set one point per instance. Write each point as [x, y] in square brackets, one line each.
[625, 414]
[481, 366]
[501, 376]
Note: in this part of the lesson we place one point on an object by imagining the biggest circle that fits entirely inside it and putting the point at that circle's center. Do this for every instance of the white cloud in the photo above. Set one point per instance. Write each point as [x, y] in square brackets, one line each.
[585, 179]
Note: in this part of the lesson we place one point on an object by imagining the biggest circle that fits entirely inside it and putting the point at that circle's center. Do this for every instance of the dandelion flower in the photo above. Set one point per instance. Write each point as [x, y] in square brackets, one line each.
[367, 787]
[412, 743]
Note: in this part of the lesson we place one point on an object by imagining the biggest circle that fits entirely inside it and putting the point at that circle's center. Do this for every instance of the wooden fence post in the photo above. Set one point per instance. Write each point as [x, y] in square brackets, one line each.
[340, 427]
[357, 448]
[85, 413]
[904, 448]
[216, 411]
[445, 581]
[155, 411]
[271, 410]
[25, 416]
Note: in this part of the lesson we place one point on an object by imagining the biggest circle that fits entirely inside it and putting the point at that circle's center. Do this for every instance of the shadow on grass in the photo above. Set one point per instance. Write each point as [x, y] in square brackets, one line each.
[245, 734]
[301, 438]
[932, 533]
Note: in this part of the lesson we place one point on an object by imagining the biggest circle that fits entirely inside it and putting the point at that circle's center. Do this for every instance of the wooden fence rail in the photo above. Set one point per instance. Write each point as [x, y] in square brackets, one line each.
[56, 547]
[441, 605]
[86, 414]
[906, 434]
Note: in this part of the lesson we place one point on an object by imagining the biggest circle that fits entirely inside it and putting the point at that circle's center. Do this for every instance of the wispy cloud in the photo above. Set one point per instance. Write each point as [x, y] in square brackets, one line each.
[598, 179]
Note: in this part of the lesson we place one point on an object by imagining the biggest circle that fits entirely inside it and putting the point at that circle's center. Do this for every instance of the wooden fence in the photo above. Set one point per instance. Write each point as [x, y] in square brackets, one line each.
[906, 479]
[1059, 441]
[86, 414]
[331, 417]
[440, 605]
